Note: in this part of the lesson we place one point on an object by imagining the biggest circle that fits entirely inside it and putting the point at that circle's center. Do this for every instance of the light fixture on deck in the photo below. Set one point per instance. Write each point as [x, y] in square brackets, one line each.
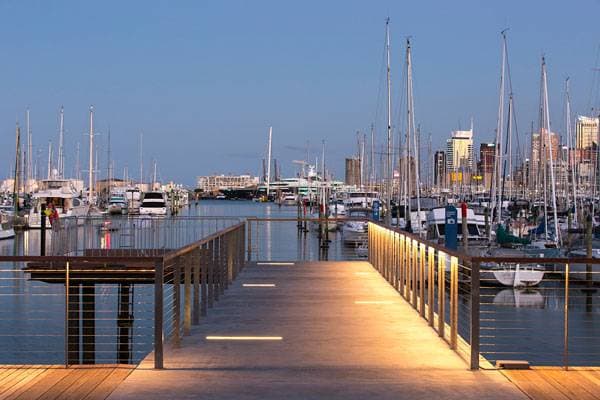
[244, 338]
[258, 284]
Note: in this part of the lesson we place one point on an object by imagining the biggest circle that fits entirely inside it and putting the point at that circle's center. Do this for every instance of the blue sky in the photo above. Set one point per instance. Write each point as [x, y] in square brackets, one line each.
[204, 80]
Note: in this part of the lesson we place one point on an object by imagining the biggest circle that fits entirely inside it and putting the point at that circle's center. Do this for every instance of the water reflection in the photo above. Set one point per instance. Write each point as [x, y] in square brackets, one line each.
[519, 298]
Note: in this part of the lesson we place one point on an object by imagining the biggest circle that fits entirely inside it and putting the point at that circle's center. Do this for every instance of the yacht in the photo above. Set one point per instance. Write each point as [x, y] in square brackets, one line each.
[436, 224]
[153, 203]
[511, 274]
[6, 228]
[360, 199]
[355, 232]
[133, 197]
[63, 195]
[117, 204]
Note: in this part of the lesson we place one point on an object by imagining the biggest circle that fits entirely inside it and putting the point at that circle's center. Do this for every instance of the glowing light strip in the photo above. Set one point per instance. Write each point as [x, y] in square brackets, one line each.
[275, 263]
[373, 302]
[244, 338]
[258, 285]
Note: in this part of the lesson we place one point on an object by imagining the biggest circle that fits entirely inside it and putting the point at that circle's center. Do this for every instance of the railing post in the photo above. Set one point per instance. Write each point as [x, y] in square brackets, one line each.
[413, 270]
[158, 314]
[211, 273]
[222, 264]
[176, 301]
[441, 292]
[453, 302]
[401, 264]
[422, 280]
[249, 240]
[475, 321]
[196, 302]
[187, 295]
[430, 284]
[204, 262]
[396, 261]
[566, 320]
[67, 283]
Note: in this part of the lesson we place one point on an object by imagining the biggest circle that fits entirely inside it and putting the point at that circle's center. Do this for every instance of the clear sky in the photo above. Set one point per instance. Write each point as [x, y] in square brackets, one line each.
[203, 80]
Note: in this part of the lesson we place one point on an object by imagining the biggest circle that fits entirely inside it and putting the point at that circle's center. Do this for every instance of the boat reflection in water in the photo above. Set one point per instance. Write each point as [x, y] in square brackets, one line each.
[519, 298]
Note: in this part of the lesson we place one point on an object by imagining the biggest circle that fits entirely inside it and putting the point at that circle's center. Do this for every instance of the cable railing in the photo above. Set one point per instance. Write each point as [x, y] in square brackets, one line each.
[130, 235]
[304, 239]
[540, 310]
[113, 307]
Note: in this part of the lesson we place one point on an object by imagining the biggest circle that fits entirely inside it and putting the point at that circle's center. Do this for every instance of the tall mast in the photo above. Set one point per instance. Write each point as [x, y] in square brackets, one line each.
[497, 179]
[29, 149]
[372, 177]
[91, 158]
[61, 138]
[557, 238]
[17, 167]
[269, 161]
[412, 132]
[49, 159]
[109, 170]
[141, 158]
[388, 202]
[570, 154]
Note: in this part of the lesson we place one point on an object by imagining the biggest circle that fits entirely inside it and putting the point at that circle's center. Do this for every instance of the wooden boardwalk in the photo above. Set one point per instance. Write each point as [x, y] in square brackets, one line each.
[330, 330]
[557, 384]
[34, 382]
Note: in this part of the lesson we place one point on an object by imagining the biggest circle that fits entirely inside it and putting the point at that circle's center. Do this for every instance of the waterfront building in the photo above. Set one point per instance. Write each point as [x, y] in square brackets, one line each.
[487, 158]
[352, 176]
[459, 156]
[439, 169]
[216, 183]
[586, 132]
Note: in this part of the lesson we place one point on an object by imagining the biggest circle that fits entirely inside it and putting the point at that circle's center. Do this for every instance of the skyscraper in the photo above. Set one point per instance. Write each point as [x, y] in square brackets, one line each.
[459, 156]
[586, 132]
[439, 169]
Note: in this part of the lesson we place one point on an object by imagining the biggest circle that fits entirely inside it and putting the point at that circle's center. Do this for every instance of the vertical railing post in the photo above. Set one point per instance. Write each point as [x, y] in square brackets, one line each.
[249, 240]
[430, 284]
[402, 263]
[196, 274]
[176, 301]
[223, 263]
[203, 260]
[210, 266]
[475, 321]
[187, 295]
[67, 283]
[453, 302]
[414, 271]
[158, 314]
[566, 320]
[422, 279]
[441, 292]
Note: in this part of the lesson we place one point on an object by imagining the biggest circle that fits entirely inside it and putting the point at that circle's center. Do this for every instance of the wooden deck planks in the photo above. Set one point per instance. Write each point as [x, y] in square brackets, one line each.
[555, 383]
[37, 382]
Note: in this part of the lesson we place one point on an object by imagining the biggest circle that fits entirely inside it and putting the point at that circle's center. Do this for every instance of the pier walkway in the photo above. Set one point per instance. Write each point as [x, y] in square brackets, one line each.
[330, 330]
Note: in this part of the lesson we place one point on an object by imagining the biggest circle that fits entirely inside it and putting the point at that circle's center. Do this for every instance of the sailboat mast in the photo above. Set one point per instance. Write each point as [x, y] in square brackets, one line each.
[388, 202]
[49, 159]
[269, 161]
[141, 158]
[557, 238]
[17, 167]
[372, 177]
[570, 154]
[61, 138]
[412, 132]
[29, 149]
[91, 158]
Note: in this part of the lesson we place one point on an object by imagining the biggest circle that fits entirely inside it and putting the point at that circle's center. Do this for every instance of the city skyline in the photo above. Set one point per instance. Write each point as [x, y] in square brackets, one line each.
[204, 82]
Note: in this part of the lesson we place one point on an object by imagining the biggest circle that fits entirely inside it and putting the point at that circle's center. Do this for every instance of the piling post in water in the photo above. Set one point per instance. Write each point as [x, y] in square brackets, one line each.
[43, 230]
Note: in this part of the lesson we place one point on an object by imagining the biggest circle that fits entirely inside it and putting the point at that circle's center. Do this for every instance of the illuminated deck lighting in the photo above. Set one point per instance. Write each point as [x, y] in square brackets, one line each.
[276, 263]
[243, 338]
[258, 285]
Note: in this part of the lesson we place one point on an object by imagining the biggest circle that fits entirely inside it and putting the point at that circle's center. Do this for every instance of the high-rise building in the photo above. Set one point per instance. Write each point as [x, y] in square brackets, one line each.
[586, 132]
[353, 171]
[487, 157]
[539, 142]
[439, 169]
[459, 156]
